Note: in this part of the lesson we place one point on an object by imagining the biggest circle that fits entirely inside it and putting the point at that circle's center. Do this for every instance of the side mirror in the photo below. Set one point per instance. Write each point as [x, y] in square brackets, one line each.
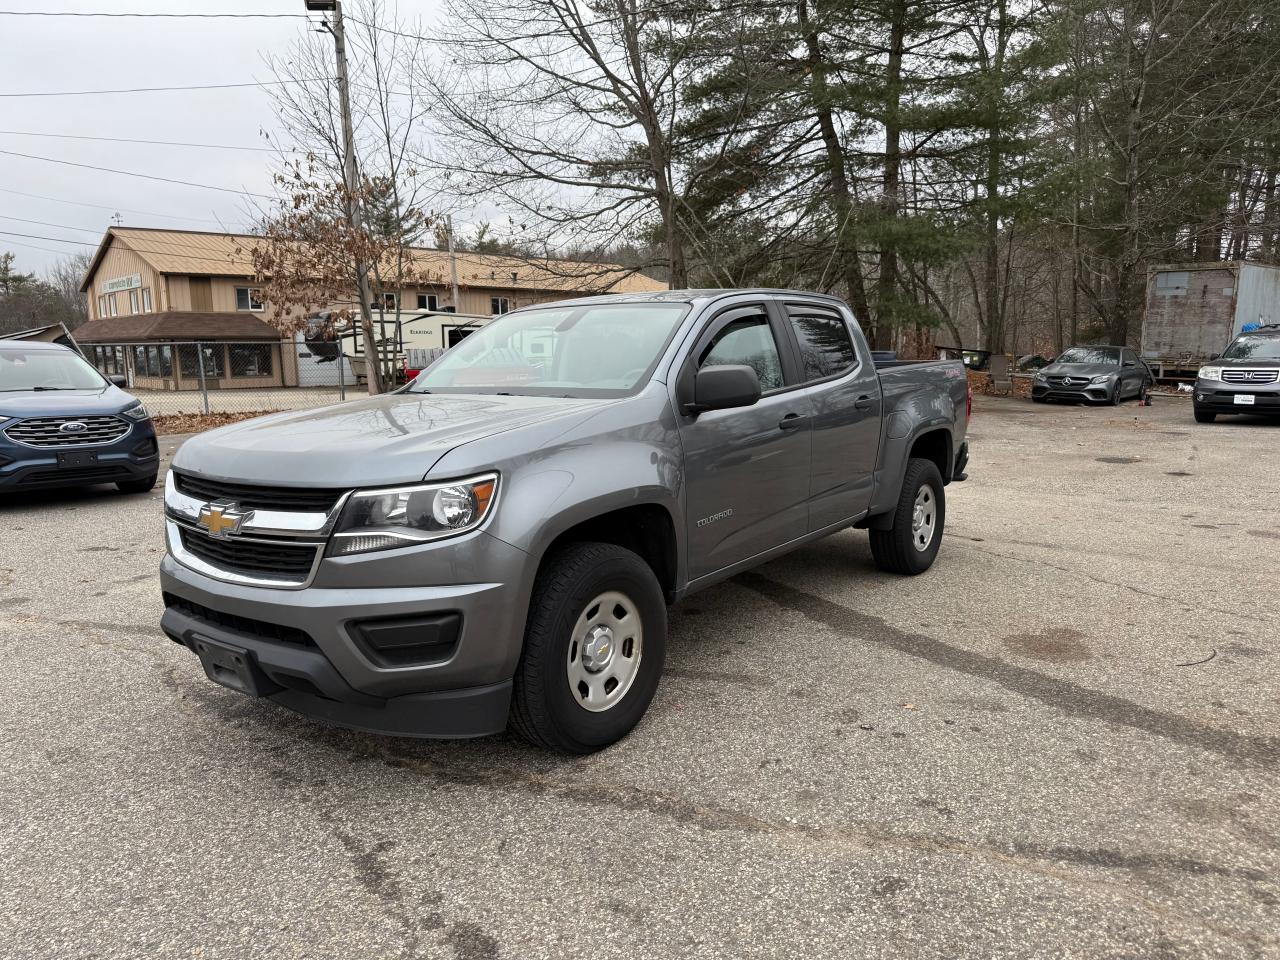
[118, 381]
[1214, 356]
[1130, 363]
[720, 388]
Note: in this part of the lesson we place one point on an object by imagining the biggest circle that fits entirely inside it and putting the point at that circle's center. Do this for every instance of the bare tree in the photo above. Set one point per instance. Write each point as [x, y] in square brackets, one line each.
[569, 115]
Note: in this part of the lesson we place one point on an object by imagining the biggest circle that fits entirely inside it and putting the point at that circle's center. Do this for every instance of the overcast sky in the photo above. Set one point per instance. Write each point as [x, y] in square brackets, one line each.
[49, 54]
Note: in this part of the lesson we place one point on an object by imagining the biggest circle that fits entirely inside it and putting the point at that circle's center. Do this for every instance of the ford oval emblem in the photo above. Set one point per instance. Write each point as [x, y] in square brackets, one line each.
[73, 426]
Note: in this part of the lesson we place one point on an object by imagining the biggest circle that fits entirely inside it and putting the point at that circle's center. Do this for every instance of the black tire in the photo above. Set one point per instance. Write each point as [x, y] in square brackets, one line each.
[545, 711]
[1204, 416]
[894, 549]
[145, 485]
[1115, 397]
[1035, 399]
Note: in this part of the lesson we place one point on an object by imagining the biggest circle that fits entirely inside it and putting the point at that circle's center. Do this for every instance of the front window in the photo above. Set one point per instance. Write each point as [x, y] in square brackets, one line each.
[1253, 348]
[249, 298]
[599, 350]
[1090, 355]
[22, 370]
[747, 342]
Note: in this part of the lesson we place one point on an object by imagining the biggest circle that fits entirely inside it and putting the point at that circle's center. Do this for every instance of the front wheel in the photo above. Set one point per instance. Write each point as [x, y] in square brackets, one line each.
[593, 651]
[911, 544]
[1204, 416]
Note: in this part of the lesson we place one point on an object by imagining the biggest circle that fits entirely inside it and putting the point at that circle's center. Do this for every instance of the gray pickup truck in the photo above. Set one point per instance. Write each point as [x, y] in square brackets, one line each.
[495, 545]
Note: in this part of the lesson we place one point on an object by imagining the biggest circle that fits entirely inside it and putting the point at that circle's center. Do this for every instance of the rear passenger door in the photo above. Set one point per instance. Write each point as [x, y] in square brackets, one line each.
[747, 468]
[843, 391]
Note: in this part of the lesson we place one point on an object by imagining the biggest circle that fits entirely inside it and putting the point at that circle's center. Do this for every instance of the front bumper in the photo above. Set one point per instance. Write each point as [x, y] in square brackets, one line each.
[312, 649]
[1214, 396]
[1093, 392]
[134, 456]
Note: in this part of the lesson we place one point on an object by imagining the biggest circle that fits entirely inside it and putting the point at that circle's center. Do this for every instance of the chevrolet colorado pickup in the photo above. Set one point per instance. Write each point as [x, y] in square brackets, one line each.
[495, 544]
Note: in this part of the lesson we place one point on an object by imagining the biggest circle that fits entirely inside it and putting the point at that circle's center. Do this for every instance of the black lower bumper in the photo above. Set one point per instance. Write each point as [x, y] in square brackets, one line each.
[1220, 400]
[34, 469]
[302, 679]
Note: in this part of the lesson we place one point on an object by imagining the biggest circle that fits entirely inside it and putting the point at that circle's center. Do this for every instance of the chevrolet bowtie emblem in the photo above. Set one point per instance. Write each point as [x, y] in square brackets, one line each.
[222, 520]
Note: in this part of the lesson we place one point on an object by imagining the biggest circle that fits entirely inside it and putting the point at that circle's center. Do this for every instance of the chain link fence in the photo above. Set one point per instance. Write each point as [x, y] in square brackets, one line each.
[228, 377]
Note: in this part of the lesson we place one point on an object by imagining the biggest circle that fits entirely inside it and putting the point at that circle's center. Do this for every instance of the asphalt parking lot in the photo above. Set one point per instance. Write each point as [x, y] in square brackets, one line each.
[1063, 741]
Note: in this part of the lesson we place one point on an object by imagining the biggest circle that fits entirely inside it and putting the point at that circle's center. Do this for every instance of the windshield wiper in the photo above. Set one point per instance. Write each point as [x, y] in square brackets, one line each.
[30, 389]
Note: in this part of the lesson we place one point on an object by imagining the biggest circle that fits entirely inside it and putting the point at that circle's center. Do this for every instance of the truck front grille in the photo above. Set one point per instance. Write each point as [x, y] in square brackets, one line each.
[253, 497]
[282, 560]
[49, 432]
[1250, 376]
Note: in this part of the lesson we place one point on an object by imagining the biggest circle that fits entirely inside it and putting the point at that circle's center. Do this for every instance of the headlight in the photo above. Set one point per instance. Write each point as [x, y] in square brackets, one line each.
[1041, 378]
[1104, 378]
[1210, 373]
[136, 413]
[404, 516]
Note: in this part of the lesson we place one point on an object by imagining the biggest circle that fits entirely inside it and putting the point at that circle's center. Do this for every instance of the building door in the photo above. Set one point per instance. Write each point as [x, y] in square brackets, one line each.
[201, 294]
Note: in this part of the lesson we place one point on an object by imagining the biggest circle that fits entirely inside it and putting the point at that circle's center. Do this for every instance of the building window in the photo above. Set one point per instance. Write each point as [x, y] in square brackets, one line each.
[1172, 283]
[109, 360]
[428, 301]
[102, 306]
[111, 305]
[146, 300]
[388, 302]
[249, 298]
[499, 305]
[212, 355]
[133, 301]
[250, 359]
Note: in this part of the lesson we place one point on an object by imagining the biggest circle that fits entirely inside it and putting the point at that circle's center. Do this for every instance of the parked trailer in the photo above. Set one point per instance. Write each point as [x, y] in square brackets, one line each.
[1193, 310]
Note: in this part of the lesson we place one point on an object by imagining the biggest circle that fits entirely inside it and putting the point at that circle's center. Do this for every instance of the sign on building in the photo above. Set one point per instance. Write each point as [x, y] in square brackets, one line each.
[122, 283]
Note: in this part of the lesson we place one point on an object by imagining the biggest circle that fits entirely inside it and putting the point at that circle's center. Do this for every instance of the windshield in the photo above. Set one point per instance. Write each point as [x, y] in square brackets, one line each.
[599, 350]
[1253, 348]
[46, 370]
[1090, 355]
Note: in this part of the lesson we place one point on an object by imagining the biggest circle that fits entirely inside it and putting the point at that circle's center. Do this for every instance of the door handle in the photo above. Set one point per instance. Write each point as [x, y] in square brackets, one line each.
[863, 403]
[792, 421]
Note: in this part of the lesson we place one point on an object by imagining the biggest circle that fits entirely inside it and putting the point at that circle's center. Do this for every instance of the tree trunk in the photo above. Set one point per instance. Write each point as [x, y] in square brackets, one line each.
[887, 282]
[841, 195]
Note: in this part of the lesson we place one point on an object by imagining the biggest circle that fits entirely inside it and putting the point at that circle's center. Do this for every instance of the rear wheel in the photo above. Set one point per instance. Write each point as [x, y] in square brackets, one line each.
[1204, 416]
[911, 544]
[145, 485]
[593, 649]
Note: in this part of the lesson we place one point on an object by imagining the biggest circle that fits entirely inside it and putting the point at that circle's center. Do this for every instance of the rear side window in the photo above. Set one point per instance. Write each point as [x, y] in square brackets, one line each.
[826, 348]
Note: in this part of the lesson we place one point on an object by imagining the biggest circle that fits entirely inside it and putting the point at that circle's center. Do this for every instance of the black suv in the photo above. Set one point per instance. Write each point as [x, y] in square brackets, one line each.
[63, 424]
[1245, 378]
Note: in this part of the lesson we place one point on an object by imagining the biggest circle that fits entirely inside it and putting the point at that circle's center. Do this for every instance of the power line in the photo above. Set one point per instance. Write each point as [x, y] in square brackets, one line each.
[206, 86]
[144, 176]
[159, 143]
[46, 223]
[155, 16]
[35, 236]
[103, 206]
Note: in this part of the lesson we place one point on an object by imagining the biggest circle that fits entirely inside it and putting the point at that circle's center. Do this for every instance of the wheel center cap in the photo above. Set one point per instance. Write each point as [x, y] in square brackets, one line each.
[597, 648]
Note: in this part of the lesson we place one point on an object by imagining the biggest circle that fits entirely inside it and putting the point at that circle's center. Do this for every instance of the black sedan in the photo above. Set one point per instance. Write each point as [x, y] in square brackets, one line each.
[1095, 374]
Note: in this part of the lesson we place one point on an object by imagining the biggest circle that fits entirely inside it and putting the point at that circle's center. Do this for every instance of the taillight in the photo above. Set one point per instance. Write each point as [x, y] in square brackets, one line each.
[968, 413]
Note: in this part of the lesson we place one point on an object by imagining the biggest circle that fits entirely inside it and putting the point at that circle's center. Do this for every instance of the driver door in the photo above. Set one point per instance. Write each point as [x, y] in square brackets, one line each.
[747, 468]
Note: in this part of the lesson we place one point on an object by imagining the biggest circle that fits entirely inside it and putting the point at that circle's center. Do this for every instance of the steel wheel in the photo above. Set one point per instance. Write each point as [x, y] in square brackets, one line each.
[924, 517]
[604, 651]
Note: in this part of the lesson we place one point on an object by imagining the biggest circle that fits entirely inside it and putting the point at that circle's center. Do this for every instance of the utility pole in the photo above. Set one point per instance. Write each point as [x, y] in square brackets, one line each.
[351, 179]
[453, 263]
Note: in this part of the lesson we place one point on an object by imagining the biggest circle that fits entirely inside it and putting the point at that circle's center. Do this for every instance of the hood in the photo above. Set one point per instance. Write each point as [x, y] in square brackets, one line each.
[1079, 369]
[1270, 364]
[395, 438]
[65, 403]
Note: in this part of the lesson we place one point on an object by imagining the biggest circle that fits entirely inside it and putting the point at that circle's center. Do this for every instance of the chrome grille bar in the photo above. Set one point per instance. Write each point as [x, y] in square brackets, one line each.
[48, 432]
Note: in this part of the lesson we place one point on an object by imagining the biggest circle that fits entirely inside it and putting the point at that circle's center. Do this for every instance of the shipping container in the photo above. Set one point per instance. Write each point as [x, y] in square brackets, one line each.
[1193, 310]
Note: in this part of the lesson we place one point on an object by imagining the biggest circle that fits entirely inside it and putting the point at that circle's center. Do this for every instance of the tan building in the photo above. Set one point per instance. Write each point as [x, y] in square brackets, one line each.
[155, 289]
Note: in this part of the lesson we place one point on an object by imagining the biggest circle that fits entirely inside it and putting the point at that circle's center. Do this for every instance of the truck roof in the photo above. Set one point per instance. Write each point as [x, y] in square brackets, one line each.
[688, 296]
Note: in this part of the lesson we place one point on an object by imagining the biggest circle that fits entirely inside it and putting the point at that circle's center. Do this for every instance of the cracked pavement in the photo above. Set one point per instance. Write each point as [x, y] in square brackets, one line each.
[1063, 741]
